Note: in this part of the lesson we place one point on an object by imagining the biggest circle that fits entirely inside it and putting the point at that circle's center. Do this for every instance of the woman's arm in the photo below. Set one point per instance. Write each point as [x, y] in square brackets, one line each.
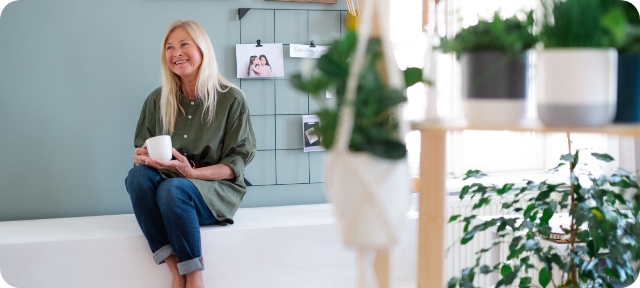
[182, 168]
[256, 69]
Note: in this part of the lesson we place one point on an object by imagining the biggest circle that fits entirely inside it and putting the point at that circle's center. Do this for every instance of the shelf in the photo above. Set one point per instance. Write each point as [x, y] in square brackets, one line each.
[620, 129]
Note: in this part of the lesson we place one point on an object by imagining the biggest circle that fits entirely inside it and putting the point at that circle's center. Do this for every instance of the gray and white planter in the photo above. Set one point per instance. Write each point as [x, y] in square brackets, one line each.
[577, 87]
[494, 87]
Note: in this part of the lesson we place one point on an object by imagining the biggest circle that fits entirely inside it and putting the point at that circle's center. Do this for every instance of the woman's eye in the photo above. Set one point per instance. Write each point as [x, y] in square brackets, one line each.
[184, 44]
[169, 47]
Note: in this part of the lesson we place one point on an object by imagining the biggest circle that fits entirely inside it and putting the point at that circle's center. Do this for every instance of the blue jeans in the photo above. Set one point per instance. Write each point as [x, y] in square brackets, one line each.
[169, 212]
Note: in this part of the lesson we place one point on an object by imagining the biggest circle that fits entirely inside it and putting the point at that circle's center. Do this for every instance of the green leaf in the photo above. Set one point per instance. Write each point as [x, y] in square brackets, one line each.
[566, 157]
[473, 174]
[505, 188]
[481, 202]
[454, 218]
[506, 269]
[467, 237]
[602, 157]
[528, 210]
[546, 216]
[452, 282]
[615, 21]
[484, 269]
[314, 85]
[464, 191]
[545, 277]
[525, 282]
[597, 212]
[412, 75]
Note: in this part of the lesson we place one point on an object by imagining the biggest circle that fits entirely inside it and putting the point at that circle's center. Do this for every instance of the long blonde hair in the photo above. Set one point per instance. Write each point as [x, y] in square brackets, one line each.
[209, 83]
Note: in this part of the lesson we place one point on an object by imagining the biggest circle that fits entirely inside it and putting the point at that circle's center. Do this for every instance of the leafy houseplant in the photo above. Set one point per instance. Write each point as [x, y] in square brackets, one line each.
[510, 35]
[376, 124]
[603, 235]
[495, 62]
[578, 38]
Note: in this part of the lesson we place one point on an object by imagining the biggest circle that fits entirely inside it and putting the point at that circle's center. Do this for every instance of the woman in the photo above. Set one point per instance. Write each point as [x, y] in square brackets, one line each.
[254, 67]
[208, 120]
[265, 67]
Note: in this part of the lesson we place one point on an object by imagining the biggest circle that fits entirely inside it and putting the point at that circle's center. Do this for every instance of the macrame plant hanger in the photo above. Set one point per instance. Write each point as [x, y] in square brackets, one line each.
[367, 277]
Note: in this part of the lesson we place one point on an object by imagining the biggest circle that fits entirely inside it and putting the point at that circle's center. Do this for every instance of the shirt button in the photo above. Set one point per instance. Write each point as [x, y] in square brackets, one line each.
[191, 103]
[185, 136]
[185, 153]
[189, 116]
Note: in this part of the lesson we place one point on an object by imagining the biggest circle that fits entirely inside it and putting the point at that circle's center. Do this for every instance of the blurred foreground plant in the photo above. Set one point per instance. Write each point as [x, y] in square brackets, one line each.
[375, 128]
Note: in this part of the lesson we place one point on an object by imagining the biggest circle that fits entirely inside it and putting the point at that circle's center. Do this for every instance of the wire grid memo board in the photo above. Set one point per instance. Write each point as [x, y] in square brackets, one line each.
[276, 107]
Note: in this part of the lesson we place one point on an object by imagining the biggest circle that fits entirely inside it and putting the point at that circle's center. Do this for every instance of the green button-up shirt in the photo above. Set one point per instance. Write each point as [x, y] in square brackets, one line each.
[228, 140]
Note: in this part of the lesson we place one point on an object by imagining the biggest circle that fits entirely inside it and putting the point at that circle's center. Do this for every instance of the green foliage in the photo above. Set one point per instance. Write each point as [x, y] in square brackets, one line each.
[510, 35]
[605, 227]
[631, 44]
[583, 23]
[376, 124]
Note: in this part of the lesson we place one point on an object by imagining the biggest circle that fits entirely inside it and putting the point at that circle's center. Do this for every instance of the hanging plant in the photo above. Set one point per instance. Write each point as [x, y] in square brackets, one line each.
[375, 127]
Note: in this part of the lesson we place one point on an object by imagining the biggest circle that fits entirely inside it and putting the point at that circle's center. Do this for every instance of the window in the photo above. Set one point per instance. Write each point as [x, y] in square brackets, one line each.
[490, 151]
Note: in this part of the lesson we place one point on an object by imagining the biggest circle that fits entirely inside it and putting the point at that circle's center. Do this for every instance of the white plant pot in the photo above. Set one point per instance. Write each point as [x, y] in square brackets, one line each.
[370, 196]
[577, 87]
[494, 111]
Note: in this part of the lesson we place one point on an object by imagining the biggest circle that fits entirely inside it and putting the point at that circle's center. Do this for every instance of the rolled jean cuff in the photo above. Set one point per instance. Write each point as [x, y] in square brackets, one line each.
[162, 254]
[189, 266]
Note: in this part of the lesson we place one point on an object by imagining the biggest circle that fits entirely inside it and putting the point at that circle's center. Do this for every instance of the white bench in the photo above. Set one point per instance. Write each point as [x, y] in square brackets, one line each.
[279, 247]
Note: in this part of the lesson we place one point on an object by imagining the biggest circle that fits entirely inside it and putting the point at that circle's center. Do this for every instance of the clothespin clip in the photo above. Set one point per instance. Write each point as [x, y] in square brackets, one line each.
[259, 45]
[312, 44]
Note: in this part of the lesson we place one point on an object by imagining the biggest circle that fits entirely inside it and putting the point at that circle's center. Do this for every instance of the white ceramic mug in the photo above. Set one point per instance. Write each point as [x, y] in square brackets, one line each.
[159, 147]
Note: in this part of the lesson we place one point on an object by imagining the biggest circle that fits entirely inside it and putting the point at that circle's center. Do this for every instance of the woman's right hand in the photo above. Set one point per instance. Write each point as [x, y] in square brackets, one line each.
[140, 155]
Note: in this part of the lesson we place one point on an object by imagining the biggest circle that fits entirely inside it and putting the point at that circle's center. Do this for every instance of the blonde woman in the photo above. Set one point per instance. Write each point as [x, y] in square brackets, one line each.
[208, 120]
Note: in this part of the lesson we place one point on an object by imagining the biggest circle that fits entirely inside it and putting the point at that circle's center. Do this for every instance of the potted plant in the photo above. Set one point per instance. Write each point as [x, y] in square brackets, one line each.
[598, 245]
[494, 56]
[628, 108]
[578, 65]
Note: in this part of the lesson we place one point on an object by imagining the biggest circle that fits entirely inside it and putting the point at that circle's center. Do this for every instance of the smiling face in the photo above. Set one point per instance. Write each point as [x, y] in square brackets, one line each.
[263, 61]
[183, 55]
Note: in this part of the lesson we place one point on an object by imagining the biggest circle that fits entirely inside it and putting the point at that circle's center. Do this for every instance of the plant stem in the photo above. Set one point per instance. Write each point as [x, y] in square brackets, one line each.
[573, 276]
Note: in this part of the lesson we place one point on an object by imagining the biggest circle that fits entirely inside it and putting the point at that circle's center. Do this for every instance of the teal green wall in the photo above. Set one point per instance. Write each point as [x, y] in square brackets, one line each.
[73, 76]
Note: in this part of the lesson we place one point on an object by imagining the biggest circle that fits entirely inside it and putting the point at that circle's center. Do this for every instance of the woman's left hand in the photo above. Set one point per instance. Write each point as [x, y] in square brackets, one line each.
[180, 166]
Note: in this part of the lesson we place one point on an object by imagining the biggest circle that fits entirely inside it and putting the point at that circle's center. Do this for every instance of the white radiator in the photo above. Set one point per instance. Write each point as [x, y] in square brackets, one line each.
[459, 256]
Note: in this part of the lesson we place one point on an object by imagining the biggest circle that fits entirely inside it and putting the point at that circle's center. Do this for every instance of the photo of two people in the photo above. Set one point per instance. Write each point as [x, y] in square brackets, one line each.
[259, 66]
[258, 62]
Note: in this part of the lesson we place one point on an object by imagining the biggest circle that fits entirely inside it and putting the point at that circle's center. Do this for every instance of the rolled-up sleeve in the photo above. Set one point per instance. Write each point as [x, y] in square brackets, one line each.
[239, 141]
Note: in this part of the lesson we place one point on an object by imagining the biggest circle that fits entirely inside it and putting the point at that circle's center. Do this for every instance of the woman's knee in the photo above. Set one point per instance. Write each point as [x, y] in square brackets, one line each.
[140, 177]
[173, 191]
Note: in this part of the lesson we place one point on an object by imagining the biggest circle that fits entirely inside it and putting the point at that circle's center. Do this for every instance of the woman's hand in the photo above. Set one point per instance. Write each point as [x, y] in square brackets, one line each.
[140, 155]
[180, 166]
